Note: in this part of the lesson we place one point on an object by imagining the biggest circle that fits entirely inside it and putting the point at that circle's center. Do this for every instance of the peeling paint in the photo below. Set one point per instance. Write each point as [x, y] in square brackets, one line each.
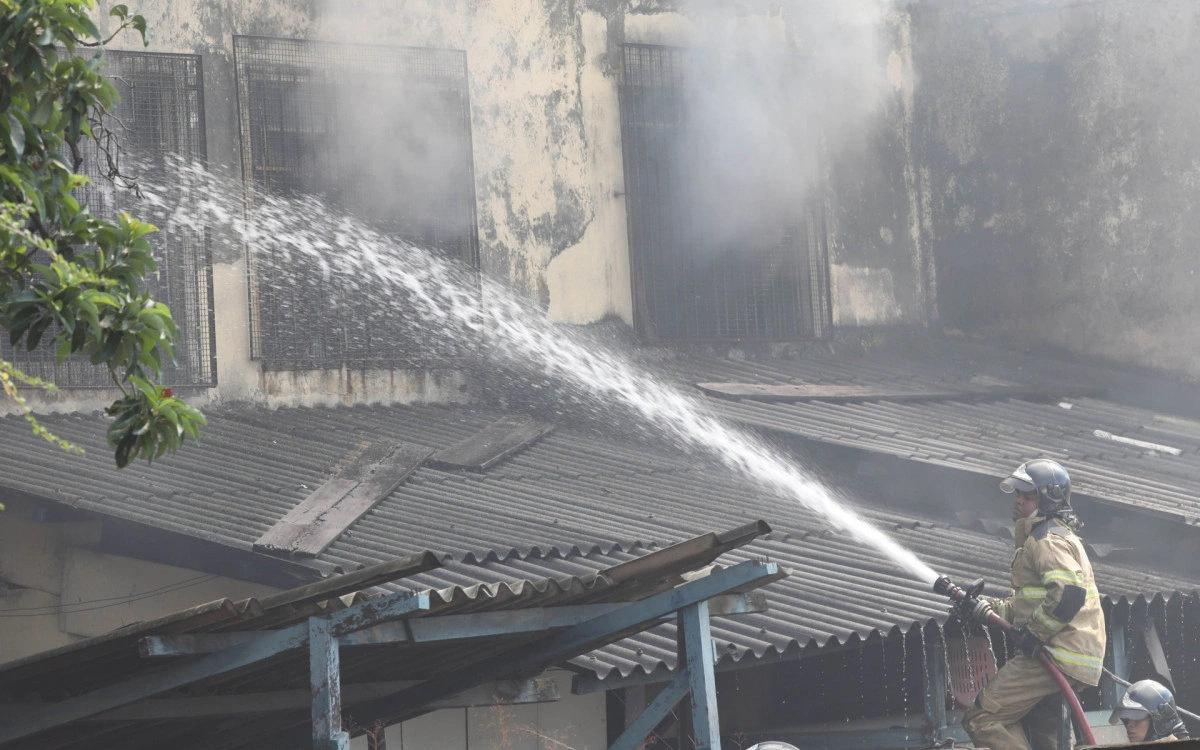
[863, 296]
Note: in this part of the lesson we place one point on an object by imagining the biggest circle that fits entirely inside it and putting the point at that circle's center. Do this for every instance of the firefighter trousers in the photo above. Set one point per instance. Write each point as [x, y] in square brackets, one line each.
[1022, 696]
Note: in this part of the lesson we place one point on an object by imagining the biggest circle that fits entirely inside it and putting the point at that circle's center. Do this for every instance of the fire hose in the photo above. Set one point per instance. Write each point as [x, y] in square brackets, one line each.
[944, 586]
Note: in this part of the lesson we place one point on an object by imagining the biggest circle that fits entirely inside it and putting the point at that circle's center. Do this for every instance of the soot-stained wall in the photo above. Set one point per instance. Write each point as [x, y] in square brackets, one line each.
[1064, 173]
[879, 273]
[545, 147]
[548, 158]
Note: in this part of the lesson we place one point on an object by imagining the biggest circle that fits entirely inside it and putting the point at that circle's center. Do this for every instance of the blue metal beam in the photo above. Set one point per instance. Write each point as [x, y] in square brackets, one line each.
[566, 643]
[374, 611]
[428, 629]
[325, 685]
[698, 652]
[647, 720]
[153, 683]
[268, 644]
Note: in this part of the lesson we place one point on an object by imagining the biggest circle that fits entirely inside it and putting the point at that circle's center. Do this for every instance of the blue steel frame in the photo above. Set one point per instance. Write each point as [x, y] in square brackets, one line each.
[689, 601]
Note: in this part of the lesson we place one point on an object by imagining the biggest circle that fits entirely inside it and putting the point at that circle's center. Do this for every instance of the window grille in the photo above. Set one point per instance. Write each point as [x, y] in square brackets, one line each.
[382, 134]
[161, 114]
[773, 286]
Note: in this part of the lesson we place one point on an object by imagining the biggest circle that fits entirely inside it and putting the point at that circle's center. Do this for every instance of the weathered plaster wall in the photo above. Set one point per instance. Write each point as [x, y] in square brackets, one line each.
[1064, 169]
[879, 271]
[55, 590]
[548, 159]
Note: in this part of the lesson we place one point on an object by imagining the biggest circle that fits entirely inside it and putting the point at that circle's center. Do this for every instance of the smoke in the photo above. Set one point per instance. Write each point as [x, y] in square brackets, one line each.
[771, 97]
[382, 132]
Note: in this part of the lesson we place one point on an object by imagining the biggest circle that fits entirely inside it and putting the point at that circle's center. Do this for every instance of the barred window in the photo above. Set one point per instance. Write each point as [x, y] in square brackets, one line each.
[690, 283]
[382, 134]
[161, 114]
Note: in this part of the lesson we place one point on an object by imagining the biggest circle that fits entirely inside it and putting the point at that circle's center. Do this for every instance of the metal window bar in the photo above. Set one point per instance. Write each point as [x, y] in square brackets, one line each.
[382, 134]
[160, 114]
[686, 287]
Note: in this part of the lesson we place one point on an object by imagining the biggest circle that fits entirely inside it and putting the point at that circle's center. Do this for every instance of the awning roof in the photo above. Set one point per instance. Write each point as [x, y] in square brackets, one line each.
[110, 664]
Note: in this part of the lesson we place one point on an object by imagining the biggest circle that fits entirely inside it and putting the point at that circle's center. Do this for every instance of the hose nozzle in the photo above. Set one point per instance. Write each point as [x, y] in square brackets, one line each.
[947, 588]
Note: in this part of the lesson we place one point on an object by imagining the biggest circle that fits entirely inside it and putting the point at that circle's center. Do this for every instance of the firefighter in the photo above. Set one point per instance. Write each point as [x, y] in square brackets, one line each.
[1149, 714]
[1055, 608]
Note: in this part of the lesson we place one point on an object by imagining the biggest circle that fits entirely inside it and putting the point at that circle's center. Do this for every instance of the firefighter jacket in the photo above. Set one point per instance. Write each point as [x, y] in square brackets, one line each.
[1055, 596]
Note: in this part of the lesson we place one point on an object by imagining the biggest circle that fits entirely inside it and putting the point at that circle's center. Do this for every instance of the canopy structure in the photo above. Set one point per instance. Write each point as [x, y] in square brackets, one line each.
[287, 667]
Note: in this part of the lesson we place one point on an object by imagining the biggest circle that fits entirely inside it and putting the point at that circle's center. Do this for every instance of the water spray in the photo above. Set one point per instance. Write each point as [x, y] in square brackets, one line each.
[449, 300]
[969, 596]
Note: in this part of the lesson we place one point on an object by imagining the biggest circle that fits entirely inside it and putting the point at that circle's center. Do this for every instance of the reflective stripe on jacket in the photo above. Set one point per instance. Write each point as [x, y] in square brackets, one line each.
[1055, 596]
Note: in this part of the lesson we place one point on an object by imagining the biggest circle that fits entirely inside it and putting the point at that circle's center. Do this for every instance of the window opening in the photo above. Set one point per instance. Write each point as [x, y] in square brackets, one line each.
[382, 134]
[160, 115]
[687, 285]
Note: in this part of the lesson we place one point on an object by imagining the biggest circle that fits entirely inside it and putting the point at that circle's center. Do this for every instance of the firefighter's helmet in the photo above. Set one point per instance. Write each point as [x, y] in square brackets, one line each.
[1147, 698]
[1048, 479]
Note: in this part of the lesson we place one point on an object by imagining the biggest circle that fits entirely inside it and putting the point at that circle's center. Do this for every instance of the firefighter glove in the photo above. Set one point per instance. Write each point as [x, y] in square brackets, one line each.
[1028, 642]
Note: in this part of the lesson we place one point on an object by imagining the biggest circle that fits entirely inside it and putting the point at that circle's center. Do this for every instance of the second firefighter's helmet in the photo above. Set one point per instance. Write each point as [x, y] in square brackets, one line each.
[1048, 479]
[1147, 698]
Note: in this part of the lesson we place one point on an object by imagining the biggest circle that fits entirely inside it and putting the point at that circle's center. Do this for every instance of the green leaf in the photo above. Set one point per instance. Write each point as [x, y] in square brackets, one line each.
[90, 28]
[43, 110]
[16, 136]
[146, 387]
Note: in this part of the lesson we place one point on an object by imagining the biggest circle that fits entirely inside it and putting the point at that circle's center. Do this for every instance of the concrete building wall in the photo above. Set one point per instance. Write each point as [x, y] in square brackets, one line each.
[880, 270]
[1064, 173]
[54, 590]
[547, 155]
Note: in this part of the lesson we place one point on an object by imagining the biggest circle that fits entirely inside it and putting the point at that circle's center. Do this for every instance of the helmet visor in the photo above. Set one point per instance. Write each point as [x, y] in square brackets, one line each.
[1018, 481]
[1122, 713]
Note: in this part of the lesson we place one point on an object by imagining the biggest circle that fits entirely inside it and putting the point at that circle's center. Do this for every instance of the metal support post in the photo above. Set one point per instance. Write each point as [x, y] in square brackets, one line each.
[326, 685]
[1064, 724]
[1158, 655]
[1118, 664]
[698, 647]
[935, 690]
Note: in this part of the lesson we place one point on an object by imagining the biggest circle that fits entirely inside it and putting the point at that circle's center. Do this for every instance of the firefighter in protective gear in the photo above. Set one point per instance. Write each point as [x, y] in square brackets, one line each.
[1055, 607]
[1149, 714]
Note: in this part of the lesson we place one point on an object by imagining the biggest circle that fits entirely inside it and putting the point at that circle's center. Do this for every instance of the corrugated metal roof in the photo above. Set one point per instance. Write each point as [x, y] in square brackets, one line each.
[991, 438]
[99, 664]
[988, 437]
[578, 499]
[837, 591]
